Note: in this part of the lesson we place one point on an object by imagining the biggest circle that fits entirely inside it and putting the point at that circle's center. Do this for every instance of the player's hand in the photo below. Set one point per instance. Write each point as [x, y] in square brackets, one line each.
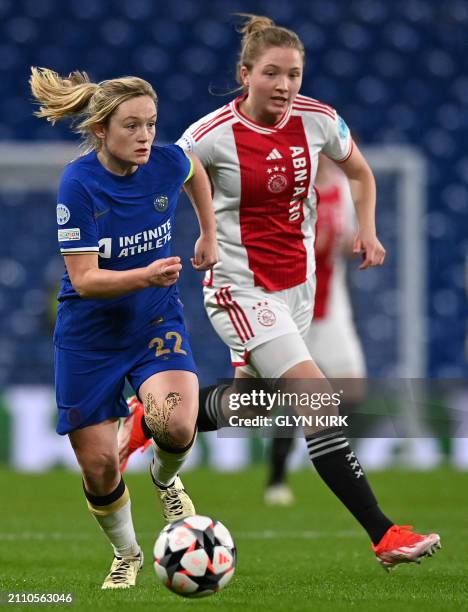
[205, 253]
[372, 251]
[164, 272]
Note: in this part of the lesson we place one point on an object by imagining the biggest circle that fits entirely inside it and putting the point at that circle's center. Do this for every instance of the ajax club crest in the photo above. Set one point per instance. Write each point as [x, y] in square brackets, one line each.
[161, 203]
[277, 181]
[265, 316]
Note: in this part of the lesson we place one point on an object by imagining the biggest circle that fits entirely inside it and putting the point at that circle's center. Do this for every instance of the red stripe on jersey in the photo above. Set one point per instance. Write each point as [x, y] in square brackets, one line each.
[240, 311]
[329, 229]
[220, 300]
[300, 98]
[236, 314]
[271, 203]
[310, 102]
[217, 116]
[318, 107]
[313, 109]
[212, 126]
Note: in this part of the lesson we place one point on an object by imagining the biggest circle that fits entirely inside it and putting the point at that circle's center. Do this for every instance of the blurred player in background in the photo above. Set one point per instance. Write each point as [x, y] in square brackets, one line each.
[332, 339]
[119, 314]
[261, 152]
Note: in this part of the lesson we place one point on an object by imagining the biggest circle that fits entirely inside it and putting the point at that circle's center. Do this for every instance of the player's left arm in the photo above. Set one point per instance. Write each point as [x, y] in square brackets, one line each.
[198, 189]
[363, 191]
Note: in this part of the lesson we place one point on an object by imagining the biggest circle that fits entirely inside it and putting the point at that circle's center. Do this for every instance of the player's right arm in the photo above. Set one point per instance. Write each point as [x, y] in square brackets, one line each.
[90, 281]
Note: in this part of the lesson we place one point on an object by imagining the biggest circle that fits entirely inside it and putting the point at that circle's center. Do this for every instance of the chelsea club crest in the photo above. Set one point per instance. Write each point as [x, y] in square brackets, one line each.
[161, 203]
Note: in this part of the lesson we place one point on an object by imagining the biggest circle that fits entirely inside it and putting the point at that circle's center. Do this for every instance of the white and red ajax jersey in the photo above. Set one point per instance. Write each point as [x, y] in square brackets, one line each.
[336, 221]
[262, 179]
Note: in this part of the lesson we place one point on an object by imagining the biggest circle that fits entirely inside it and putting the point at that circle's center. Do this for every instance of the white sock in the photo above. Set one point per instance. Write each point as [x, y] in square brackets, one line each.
[166, 465]
[116, 522]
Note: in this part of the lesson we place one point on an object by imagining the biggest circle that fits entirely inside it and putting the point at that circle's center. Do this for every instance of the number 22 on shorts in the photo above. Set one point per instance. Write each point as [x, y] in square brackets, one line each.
[162, 349]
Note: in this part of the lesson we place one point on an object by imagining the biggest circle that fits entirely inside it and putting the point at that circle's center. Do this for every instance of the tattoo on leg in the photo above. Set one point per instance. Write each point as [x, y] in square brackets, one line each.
[173, 400]
[157, 417]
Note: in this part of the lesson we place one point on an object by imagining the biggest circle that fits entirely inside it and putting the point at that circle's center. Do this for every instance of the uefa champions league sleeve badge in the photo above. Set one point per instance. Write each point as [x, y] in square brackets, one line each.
[63, 214]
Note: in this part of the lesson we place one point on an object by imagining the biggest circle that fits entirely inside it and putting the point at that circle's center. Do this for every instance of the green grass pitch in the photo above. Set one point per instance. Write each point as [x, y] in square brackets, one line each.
[312, 556]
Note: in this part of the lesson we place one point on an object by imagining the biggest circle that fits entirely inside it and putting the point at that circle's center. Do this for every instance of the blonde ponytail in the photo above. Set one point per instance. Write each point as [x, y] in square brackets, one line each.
[60, 97]
[88, 103]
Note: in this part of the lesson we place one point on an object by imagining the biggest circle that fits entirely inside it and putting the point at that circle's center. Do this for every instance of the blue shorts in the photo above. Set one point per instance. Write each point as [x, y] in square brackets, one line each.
[89, 384]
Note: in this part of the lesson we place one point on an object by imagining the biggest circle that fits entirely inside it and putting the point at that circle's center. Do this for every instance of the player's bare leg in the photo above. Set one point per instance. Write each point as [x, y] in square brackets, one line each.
[170, 402]
[338, 466]
[108, 499]
[335, 462]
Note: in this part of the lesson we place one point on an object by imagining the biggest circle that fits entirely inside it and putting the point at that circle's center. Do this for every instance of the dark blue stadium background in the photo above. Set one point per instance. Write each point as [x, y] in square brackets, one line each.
[396, 70]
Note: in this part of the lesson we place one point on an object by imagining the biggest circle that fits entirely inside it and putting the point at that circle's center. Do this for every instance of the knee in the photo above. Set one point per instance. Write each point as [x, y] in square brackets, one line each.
[100, 472]
[180, 434]
[171, 422]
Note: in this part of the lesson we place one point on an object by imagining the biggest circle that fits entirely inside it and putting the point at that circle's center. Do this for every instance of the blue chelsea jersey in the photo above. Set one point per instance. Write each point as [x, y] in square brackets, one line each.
[128, 221]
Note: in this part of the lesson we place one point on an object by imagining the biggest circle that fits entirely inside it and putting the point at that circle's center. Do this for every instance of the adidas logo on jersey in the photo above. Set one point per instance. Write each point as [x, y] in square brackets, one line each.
[274, 154]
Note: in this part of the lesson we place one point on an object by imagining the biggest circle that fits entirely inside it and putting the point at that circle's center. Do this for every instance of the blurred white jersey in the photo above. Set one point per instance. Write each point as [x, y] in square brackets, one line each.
[332, 339]
[262, 179]
[336, 220]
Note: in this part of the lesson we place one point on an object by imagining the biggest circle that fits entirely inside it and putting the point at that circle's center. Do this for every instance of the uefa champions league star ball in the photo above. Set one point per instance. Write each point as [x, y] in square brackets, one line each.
[195, 557]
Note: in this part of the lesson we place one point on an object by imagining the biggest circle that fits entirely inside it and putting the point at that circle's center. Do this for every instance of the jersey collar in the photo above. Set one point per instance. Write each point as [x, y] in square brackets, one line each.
[254, 125]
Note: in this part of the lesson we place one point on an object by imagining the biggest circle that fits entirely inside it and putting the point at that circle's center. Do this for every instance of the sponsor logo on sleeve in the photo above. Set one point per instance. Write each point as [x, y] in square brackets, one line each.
[63, 214]
[72, 233]
[343, 129]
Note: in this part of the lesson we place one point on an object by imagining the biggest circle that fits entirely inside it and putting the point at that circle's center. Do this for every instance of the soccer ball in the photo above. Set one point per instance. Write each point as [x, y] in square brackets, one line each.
[195, 556]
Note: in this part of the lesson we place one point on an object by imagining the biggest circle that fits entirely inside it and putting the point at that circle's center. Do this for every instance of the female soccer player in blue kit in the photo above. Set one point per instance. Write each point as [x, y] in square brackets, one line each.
[119, 313]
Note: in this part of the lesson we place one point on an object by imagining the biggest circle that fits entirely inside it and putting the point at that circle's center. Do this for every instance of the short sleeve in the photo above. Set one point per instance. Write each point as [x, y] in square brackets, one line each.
[339, 143]
[183, 163]
[77, 230]
[186, 141]
[202, 148]
[190, 174]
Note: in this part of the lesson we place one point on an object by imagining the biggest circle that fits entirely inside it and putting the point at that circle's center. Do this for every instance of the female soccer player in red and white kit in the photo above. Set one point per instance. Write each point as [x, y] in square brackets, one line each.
[332, 338]
[261, 153]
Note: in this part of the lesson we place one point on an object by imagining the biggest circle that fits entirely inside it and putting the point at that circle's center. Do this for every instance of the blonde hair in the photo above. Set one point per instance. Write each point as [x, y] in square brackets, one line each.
[261, 33]
[87, 103]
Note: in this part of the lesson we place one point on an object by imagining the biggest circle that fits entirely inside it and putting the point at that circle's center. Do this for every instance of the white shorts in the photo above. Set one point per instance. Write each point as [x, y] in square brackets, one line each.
[334, 346]
[246, 318]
